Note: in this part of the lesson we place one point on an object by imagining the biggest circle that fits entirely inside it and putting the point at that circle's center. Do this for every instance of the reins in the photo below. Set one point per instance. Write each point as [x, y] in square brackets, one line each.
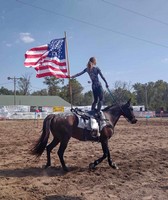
[117, 103]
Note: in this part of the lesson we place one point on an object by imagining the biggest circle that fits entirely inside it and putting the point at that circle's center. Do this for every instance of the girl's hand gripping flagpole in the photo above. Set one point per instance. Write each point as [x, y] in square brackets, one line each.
[70, 88]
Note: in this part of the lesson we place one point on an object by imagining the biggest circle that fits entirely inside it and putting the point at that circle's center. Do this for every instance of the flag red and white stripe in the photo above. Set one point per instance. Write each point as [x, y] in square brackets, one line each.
[47, 64]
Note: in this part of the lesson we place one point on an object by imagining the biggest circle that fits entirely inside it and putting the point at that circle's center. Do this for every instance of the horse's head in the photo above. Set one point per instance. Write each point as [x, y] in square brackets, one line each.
[127, 112]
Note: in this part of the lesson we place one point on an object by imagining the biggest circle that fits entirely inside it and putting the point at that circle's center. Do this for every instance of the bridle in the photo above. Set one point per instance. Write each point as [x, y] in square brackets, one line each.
[124, 114]
[119, 106]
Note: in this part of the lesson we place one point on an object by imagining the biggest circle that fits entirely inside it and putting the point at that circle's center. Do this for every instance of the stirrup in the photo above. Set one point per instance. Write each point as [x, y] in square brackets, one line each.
[97, 115]
[95, 134]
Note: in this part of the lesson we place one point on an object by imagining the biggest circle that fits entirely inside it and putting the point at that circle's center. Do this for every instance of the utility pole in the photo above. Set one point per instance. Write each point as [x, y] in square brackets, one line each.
[14, 81]
[146, 97]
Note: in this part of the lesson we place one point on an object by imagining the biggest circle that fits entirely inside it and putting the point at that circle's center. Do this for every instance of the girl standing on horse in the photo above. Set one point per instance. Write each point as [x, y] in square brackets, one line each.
[97, 89]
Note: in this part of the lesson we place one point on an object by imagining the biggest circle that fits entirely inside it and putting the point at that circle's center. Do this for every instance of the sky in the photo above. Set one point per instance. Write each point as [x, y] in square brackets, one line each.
[129, 38]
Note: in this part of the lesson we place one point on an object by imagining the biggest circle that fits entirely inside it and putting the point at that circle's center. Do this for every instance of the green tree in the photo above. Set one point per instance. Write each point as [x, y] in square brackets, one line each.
[75, 89]
[87, 98]
[122, 92]
[160, 96]
[42, 92]
[5, 91]
[65, 93]
[139, 91]
[153, 95]
[72, 92]
[53, 85]
[108, 98]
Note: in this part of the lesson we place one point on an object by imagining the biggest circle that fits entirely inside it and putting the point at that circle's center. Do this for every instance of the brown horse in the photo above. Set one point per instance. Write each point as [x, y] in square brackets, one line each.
[64, 126]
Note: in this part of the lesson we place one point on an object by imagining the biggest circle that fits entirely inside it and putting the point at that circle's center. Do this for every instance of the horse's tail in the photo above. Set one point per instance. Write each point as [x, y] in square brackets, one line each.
[40, 145]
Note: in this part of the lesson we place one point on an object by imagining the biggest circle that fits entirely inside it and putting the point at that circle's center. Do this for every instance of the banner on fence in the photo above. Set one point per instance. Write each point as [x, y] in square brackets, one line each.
[58, 109]
[35, 108]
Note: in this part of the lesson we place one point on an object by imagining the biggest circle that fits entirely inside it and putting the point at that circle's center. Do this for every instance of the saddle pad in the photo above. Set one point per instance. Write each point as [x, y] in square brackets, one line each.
[91, 123]
[103, 121]
[83, 123]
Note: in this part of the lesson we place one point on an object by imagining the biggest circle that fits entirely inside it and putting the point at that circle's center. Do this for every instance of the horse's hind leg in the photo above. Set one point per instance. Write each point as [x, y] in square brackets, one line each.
[61, 150]
[54, 142]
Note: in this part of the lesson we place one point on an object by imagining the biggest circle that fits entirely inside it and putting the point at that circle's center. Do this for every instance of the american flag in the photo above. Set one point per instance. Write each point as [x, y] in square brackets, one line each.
[48, 60]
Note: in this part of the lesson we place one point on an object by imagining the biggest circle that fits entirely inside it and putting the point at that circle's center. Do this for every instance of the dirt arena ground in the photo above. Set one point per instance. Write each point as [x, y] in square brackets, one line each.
[140, 150]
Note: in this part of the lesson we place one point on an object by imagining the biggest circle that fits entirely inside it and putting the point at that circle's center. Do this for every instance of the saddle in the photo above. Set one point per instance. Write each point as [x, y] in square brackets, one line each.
[90, 120]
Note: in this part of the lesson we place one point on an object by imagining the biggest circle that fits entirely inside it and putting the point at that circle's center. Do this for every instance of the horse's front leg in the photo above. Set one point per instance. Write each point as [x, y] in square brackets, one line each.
[104, 144]
[111, 163]
[106, 154]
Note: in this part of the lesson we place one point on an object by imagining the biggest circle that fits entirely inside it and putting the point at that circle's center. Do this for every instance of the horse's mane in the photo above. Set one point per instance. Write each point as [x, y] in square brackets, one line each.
[108, 107]
[113, 105]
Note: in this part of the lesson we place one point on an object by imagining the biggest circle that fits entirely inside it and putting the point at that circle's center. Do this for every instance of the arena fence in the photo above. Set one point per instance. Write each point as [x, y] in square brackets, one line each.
[34, 112]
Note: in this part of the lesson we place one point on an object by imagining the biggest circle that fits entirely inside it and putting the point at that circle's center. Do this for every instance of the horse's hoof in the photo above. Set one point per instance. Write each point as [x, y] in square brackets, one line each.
[92, 166]
[114, 166]
[46, 166]
[65, 169]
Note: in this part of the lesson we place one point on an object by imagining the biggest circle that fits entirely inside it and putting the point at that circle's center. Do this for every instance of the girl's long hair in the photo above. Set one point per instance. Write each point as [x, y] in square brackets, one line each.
[90, 62]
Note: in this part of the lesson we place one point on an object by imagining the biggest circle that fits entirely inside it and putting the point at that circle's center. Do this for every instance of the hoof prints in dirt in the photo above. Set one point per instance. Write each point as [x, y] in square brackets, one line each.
[140, 151]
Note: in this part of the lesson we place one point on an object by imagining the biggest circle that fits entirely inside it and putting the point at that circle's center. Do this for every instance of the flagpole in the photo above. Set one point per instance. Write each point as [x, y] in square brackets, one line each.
[70, 88]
